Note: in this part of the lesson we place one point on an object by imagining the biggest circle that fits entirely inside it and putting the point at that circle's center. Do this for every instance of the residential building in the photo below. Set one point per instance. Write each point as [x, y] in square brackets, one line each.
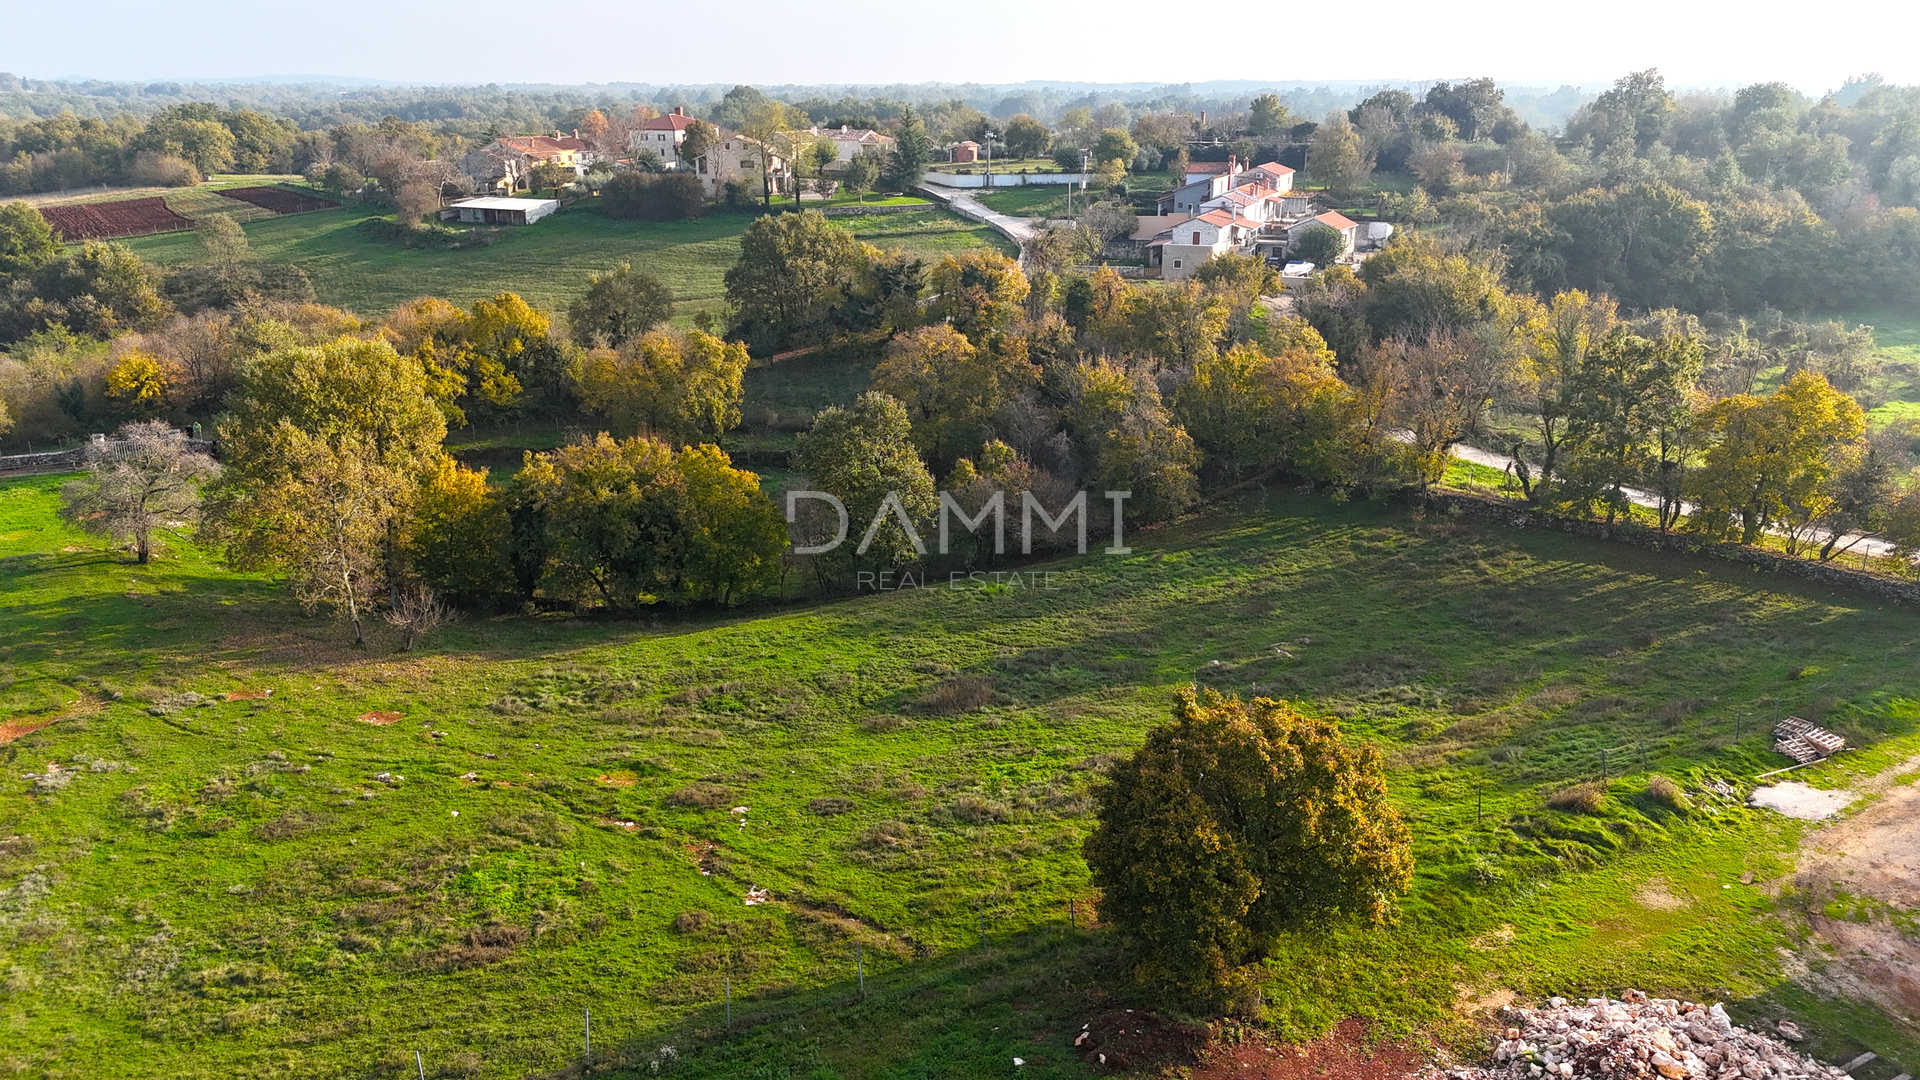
[1190, 242]
[732, 157]
[964, 153]
[1209, 180]
[849, 141]
[1332, 219]
[663, 134]
[506, 163]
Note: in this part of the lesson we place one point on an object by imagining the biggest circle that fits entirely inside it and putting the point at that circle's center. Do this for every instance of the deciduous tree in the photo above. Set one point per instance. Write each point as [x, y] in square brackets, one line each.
[793, 271]
[618, 306]
[143, 483]
[950, 388]
[1234, 824]
[861, 455]
[678, 387]
[1771, 453]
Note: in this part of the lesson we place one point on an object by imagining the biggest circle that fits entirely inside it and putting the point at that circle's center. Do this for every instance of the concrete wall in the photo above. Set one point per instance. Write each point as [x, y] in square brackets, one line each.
[999, 180]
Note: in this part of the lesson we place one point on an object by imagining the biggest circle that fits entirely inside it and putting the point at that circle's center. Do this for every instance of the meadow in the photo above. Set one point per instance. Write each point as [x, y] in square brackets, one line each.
[567, 813]
[547, 263]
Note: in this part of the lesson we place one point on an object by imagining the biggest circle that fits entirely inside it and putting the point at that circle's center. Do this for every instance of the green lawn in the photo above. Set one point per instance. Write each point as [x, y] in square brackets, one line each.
[267, 886]
[548, 263]
[1033, 200]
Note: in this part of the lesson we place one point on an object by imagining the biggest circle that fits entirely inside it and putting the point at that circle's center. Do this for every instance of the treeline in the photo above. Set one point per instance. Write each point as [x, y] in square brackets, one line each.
[1762, 199]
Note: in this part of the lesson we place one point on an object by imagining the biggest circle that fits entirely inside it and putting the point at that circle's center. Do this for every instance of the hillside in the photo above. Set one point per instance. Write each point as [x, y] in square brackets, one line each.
[569, 813]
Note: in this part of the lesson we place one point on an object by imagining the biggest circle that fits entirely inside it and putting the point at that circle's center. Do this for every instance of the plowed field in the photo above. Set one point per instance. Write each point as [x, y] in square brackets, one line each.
[99, 221]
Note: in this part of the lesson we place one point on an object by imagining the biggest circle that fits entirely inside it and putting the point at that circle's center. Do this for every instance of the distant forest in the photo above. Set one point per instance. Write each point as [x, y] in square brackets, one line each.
[471, 110]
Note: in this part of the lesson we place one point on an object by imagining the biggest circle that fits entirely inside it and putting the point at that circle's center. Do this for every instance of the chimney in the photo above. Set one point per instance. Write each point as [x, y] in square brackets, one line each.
[1203, 118]
[843, 129]
[679, 111]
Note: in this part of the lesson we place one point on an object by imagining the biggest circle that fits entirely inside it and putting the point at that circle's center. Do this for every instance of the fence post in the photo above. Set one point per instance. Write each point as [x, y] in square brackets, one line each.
[419, 1066]
[587, 1053]
[860, 967]
[729, 1001]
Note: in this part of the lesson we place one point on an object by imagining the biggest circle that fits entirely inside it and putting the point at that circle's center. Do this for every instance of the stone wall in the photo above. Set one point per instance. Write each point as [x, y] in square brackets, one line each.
[1520, 516]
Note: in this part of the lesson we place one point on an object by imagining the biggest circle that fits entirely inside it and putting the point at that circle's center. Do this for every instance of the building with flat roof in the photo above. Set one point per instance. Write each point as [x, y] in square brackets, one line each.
[499, 210]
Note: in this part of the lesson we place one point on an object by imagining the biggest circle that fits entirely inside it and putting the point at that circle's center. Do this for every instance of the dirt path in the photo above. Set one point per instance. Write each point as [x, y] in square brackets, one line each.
[1860, 878]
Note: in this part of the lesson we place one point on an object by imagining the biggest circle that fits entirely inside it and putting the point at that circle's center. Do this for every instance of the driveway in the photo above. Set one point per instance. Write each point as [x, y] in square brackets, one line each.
[962, 201]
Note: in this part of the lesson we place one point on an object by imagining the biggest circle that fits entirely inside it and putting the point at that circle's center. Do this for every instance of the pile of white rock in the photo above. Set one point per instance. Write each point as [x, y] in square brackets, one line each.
[1640, 1038]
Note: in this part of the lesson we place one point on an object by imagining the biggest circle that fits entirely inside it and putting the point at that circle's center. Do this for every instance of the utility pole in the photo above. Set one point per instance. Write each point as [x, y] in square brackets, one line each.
[987, 134]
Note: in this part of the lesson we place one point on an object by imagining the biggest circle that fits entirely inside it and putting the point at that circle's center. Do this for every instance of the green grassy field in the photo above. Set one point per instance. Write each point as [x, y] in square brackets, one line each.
[547, 263]
[268, 886]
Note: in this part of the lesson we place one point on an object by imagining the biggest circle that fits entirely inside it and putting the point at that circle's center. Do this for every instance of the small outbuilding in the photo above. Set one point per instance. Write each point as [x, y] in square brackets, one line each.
[499, 210]
[964, 153]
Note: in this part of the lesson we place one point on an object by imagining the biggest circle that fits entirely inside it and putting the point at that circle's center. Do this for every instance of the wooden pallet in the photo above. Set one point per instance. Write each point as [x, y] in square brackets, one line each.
[1804, 741]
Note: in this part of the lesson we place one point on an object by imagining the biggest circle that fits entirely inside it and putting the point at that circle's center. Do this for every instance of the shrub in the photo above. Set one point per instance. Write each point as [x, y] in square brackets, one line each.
[830, 806]
[152, 169]
[975, 810]
[701, 796]
[1668, 792]
[962, 695]
[1580, 798]
[1233, 825]
[642, 196]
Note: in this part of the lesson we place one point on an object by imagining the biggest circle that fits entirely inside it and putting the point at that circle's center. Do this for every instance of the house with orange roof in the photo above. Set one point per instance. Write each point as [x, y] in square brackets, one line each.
[1191, 241]
[1332, 219]
[505, 164]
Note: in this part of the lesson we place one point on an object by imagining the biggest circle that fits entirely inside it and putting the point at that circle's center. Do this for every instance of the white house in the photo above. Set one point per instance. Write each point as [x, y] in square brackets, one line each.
[1332, 219]
[499, 210]
[732, 157]
[1193, 241]
[849, 141]
[663, 135]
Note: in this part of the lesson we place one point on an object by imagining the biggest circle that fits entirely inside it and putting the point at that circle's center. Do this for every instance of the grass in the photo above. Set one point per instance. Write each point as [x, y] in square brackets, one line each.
[1034, 200]
[115, 194]
[547, 263]
[268, 885]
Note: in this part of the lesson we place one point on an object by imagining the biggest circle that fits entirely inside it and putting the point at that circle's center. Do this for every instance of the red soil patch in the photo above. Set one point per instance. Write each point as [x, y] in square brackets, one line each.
[100, 221]
[379, 718]
[278, 200]
[14, 729]
[1342, 1054]
[617, 779]
[245, 695]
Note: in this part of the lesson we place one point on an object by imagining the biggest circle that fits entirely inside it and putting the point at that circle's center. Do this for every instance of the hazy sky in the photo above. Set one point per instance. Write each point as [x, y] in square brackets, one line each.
[1693, 42]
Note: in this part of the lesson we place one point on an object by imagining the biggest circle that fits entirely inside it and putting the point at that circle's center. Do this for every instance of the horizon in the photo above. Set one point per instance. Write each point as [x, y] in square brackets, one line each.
[869, 46]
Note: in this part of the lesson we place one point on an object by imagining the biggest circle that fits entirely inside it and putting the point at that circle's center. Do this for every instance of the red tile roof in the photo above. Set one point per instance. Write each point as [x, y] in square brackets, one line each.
[1335, 219]
[1273, 167]
[670, 122]
[1207, 168]
[542, 144]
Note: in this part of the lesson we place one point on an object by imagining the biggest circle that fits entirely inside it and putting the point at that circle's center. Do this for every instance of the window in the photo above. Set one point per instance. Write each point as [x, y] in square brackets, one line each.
[1196, 238]
[703, 164]
[1176, 264]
